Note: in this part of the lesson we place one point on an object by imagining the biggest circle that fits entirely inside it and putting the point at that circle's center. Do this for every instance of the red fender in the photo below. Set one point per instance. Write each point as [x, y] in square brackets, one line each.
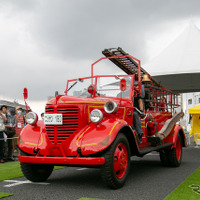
[91, 139]
[179, 130]
[33, 137]
[174, 135]
[97, 137]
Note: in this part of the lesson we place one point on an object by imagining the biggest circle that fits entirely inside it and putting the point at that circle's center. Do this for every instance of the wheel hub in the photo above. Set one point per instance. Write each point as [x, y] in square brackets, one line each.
[120, 160]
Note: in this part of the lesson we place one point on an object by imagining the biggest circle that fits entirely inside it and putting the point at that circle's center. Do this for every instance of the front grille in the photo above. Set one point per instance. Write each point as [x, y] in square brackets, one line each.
[59, 133]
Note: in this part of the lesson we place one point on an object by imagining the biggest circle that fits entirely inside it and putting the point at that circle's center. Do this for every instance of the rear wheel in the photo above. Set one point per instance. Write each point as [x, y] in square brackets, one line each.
[164, 158]
[117, 163]
[36, 172]
[172, 157]
[175, 154]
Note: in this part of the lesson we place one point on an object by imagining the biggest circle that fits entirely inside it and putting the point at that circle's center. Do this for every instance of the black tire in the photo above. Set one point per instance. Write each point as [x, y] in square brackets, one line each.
[117, 163]
[164, 158]
[175, 154]
[36, 172]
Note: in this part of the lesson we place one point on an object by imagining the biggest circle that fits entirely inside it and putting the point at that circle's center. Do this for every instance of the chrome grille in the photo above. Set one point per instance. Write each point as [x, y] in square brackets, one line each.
[59, 133]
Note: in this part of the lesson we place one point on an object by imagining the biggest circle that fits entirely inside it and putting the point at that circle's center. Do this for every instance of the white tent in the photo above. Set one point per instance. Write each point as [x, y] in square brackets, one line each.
[178, 66]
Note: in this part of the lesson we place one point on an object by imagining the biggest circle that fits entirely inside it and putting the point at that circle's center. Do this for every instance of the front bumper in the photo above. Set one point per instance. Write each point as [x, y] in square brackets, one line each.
[63, 160]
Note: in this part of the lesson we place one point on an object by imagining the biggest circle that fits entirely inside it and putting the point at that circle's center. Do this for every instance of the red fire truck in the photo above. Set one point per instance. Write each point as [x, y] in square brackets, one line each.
[92, 124]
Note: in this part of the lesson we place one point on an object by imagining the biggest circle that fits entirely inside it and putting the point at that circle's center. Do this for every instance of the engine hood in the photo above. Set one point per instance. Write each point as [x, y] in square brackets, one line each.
[77, 100]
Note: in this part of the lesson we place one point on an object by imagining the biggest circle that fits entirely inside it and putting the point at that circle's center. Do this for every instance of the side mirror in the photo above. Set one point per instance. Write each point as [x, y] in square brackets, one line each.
[25, 93]
[91, 90]
[123, 84]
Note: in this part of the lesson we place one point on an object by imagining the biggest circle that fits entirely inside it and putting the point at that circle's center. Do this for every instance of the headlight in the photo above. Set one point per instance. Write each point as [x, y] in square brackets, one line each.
[111, 107]
[31, 118]
[96, 116]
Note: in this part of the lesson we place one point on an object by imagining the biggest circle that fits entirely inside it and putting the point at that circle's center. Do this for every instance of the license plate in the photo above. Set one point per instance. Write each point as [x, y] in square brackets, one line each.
[53, 119]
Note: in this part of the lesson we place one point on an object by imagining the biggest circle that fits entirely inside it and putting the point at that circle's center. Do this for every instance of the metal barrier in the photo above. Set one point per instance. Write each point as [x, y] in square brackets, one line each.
[5, 139]
[197, 139]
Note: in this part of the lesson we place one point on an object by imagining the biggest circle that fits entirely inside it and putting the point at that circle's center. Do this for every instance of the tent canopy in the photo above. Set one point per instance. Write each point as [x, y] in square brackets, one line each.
[178, 66]
[195, 129]
[194, 110]
[180, 83]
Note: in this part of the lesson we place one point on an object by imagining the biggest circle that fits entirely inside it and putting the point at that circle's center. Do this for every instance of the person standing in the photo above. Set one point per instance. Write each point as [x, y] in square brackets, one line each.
[3, 113]
[2, 128]
[42, 116]
[3, 120]
[19, 126]
[10, 131]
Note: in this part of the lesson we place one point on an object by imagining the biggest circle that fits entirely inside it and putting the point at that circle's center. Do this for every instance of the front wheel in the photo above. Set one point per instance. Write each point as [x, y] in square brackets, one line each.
[36, 172]
[117, 163]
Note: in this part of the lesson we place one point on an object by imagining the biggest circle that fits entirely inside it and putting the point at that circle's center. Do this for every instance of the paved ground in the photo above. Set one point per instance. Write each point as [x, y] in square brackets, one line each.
[148, 180]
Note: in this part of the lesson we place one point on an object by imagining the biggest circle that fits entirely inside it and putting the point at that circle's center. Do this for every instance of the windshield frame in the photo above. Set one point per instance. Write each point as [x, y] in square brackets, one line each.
[132, 76]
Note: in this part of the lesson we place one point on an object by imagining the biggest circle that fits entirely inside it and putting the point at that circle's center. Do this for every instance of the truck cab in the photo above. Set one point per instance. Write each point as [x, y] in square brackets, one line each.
[92, 125]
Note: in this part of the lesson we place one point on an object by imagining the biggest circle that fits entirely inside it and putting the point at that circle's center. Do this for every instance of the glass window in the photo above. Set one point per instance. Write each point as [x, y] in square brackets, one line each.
[189, 101]
[110, 86]
[106, 86]
[79, 87]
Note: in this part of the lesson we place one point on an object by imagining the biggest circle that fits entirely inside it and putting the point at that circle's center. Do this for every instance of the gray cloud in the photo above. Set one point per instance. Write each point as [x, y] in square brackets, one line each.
[83, 28]
[46, 42]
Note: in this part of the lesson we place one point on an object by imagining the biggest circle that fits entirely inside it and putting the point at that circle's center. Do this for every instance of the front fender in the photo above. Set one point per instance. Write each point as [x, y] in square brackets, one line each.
[97, 137]
[33, 137]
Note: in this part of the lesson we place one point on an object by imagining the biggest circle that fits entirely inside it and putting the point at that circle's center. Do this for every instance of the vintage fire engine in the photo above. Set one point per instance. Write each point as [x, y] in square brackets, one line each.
[92, 124]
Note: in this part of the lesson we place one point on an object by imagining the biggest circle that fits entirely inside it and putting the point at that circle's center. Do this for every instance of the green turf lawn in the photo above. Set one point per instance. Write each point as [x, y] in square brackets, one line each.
[89, 199]
[12, 170]
[189, 189]
[2, 194]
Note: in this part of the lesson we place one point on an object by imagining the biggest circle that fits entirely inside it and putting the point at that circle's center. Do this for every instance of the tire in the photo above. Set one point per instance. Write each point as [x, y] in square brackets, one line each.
[175, 154]
[117, 163]
[164, 158]
[36, 172]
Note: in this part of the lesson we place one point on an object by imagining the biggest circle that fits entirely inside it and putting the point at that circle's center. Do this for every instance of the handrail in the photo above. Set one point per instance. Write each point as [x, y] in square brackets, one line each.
[124, 56]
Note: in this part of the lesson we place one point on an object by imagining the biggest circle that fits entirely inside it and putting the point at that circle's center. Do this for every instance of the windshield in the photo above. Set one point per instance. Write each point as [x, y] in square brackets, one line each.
[79, 87]
[108, 86]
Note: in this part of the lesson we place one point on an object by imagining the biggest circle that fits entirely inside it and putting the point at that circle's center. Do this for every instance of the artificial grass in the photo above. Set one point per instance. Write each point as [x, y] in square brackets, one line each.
[84, 198]
[2, 194]
[12, 170]
[189, 189]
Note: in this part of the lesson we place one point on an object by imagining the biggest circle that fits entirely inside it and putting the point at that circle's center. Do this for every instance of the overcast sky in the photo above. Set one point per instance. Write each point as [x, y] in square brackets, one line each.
[43, 43]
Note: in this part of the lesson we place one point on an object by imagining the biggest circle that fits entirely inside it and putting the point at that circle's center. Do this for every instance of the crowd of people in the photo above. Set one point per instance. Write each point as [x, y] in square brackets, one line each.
[12, 122]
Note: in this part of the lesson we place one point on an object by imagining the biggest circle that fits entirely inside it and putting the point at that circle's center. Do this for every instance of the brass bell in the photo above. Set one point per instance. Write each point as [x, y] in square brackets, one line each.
[146, 78]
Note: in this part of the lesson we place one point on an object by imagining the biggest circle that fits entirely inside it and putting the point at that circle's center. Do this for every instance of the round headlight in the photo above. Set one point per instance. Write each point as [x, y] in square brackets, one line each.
[111, 107]
[31, 118]
[96, 116]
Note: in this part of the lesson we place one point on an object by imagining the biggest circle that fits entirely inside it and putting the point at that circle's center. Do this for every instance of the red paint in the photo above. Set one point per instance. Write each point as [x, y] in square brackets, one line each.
[63, 161]
[78, 141]
[178, 149]
[120, 160]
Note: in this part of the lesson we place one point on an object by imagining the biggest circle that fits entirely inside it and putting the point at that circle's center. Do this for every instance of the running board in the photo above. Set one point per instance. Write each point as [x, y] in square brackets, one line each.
[147, 149]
